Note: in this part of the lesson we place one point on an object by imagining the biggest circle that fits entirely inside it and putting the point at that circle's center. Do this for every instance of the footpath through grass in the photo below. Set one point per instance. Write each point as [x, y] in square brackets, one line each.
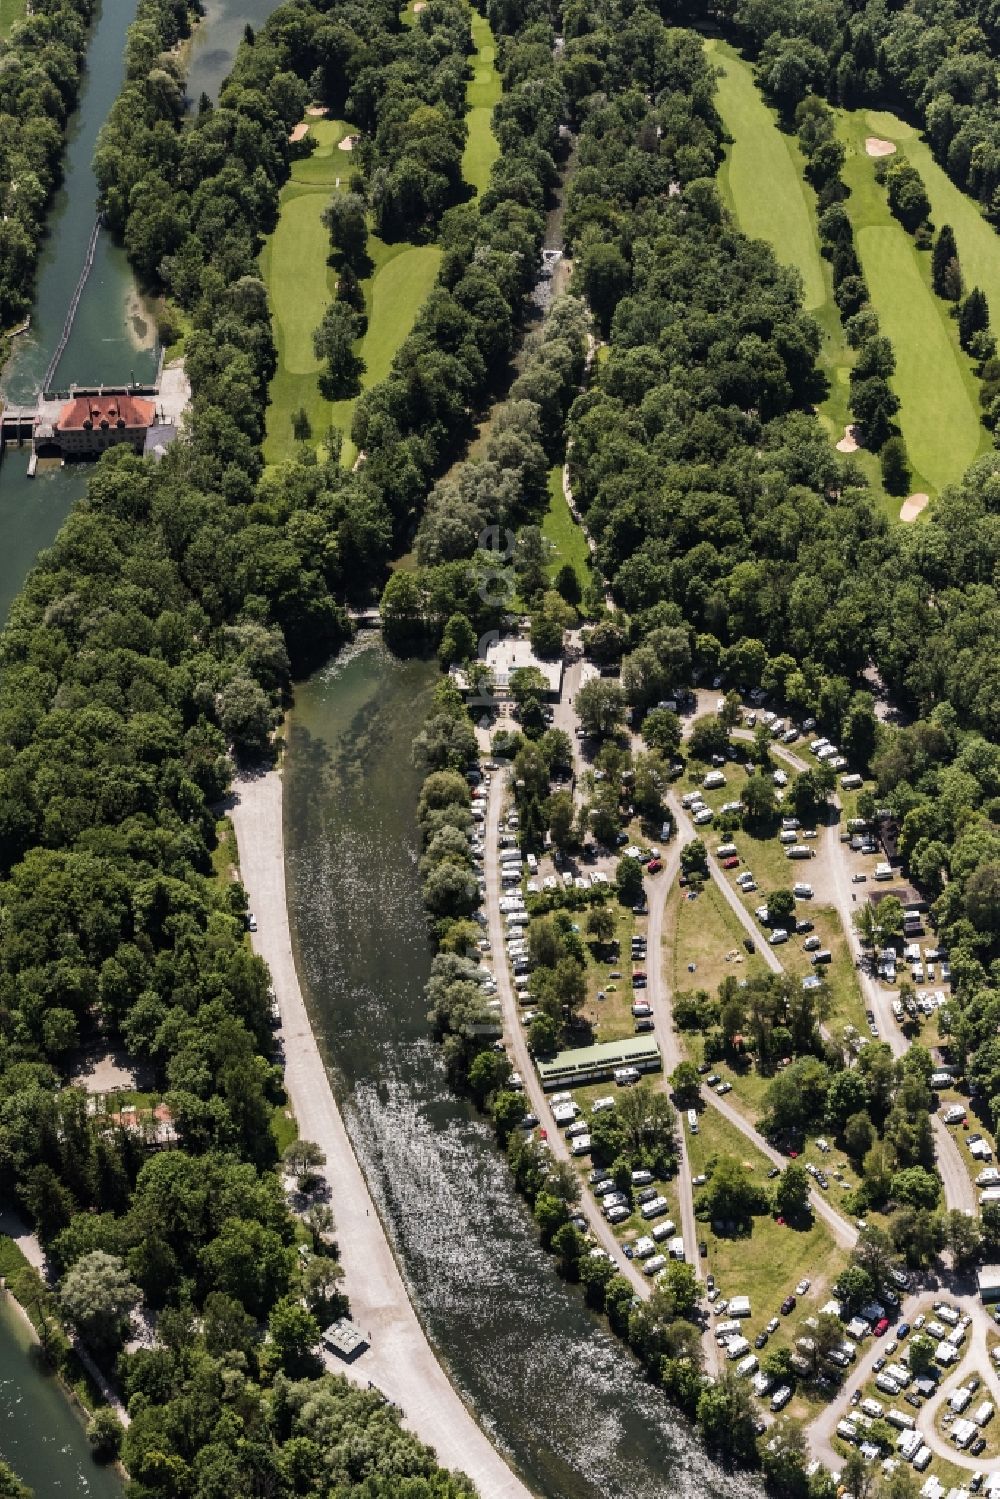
[566, 538]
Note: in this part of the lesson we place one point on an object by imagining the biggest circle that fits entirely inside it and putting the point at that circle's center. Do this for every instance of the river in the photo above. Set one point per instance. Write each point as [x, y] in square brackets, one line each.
[556, 1392]
[112, 340]
[40, 1435]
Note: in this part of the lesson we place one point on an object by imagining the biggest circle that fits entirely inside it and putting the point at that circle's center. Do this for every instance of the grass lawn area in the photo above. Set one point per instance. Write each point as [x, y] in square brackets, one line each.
[482, 94]
[611, 1017]
[560, 530]
[283, 1127]
[225, 855]
[783, 214]
[978, 243]
[10, 11]
[703, 932]
[940, 414]
[767, 1263]
[301, 285]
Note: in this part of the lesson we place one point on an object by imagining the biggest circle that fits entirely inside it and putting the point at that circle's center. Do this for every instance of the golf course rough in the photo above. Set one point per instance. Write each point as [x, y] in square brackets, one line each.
[762, 181]
[301, 283]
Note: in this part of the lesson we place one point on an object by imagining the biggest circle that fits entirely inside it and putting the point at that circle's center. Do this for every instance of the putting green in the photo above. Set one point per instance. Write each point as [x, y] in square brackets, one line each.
[762, 174]
[482, 95]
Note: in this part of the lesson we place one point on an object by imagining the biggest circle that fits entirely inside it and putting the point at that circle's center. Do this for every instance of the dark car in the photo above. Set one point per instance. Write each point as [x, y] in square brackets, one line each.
[903, 1330]
[760, 1340]
[787, 1306]
[749, 944]
[978, 1446]
[913, 1399]
[703, 1248]
[774, 1171]
[803, 926]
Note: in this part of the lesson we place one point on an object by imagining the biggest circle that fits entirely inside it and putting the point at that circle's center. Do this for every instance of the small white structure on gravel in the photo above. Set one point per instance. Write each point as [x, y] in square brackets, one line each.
[344, 1339]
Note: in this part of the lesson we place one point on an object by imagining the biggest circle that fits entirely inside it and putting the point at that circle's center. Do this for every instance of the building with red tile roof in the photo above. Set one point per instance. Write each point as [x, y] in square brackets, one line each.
[89, 424]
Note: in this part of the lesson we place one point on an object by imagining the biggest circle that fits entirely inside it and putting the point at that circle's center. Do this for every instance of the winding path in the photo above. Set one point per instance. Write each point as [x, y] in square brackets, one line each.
[400, 1361]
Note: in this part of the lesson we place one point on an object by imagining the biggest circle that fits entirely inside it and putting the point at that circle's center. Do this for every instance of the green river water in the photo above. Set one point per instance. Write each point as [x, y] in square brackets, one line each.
[557, 1393]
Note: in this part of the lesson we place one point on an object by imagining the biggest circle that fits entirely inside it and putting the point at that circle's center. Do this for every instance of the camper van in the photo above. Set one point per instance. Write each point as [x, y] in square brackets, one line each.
[800, 851]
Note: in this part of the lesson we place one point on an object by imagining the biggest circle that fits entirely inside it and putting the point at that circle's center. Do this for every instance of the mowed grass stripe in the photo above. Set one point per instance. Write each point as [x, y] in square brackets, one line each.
[482, 94]
[762, 175]
[978, 242]
[304, 285]
[398, 292]
[938, 420]
[10, 11]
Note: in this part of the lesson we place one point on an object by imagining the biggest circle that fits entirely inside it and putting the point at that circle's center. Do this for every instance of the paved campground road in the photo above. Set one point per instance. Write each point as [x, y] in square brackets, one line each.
[400, 1361]
[657, 891]
[517, 1041]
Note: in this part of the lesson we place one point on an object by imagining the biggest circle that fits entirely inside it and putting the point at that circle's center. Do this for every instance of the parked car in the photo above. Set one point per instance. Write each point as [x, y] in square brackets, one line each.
[881, 1327]
[788, 1306]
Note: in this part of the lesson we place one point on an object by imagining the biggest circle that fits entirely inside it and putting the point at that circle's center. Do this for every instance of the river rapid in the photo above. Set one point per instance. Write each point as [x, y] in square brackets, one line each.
[558, 1394]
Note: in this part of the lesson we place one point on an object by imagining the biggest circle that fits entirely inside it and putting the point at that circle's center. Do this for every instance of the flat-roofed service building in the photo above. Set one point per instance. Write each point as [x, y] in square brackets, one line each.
[343, 1338]
[989, 1284]
[503, 657]
[590, 1064]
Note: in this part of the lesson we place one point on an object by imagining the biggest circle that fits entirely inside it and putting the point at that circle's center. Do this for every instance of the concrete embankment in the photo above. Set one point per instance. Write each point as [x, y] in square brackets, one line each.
[400, 1360]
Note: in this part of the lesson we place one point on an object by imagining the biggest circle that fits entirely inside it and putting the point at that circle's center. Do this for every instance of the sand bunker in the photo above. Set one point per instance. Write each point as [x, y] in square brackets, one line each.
[347, 144]
[299, 133]
[318, 111]
[848, 443]
[877, 147]
[912, 506]
[420, 5]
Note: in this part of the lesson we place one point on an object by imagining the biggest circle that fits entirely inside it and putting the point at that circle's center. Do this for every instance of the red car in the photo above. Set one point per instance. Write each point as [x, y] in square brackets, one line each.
[654, 866]
[639, 974]
[881, 1327]
[731, 862]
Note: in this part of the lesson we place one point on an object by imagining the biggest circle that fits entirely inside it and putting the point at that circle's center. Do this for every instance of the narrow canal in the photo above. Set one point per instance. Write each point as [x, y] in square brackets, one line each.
[40, 1434]
[557, 1393]
[112, 340]
[113, 335]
